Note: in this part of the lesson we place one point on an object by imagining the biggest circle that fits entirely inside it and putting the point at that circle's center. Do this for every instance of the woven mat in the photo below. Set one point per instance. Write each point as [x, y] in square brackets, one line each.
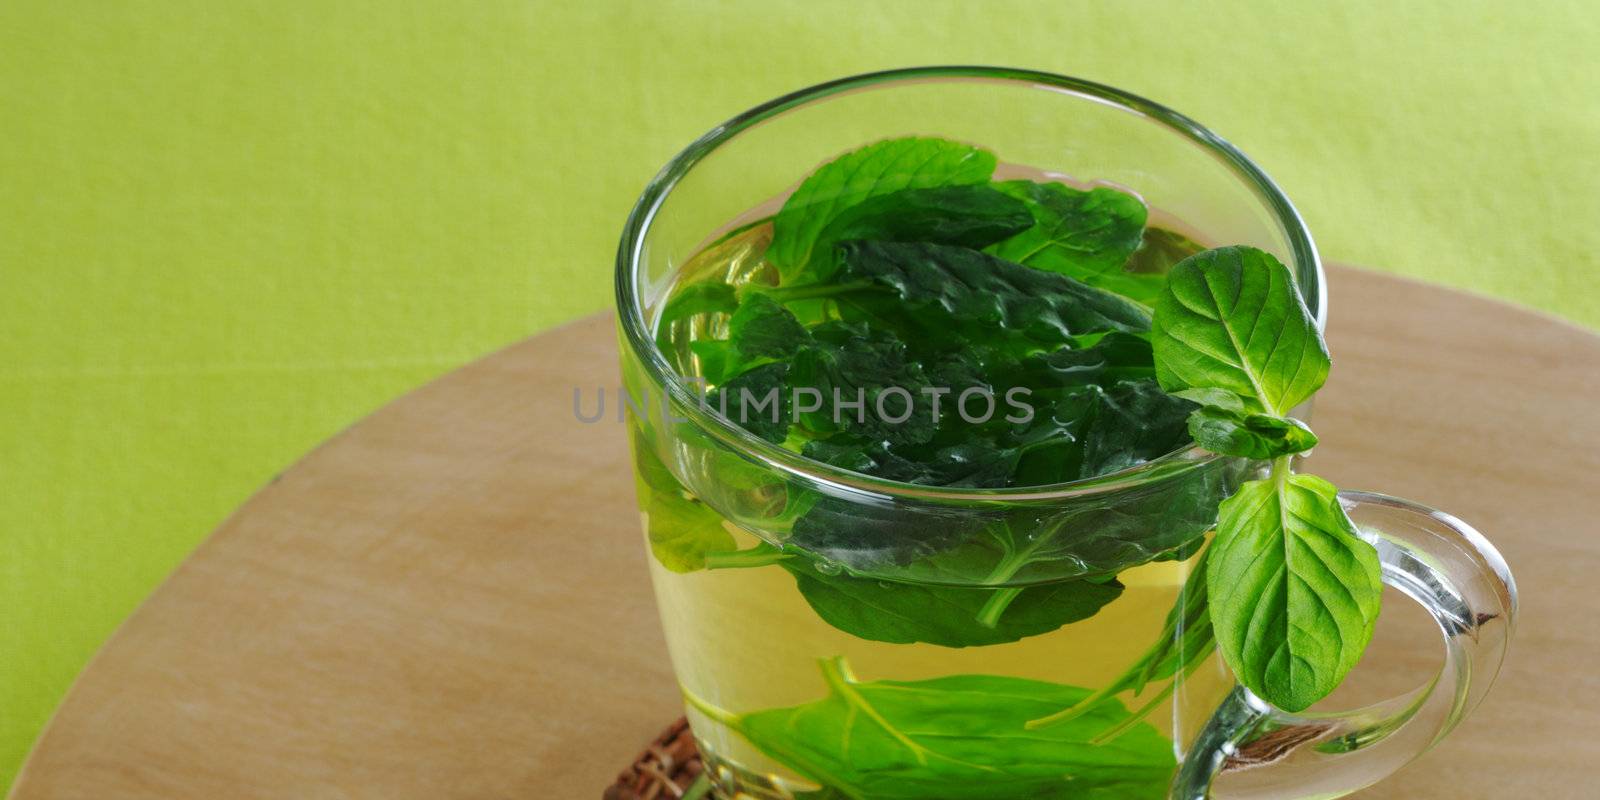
[666, 768]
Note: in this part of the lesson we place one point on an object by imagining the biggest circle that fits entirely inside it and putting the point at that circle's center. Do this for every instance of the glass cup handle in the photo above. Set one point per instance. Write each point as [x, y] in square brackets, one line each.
[1251, 750]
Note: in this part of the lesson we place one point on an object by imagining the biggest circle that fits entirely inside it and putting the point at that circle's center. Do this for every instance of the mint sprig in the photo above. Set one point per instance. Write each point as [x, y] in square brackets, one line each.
[1294, 590]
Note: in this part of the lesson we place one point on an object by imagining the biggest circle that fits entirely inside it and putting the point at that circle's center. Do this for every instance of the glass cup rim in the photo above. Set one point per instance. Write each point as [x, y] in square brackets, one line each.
[639, 338]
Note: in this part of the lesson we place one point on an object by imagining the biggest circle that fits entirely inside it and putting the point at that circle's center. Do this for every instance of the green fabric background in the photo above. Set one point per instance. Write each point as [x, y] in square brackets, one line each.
[228, 230]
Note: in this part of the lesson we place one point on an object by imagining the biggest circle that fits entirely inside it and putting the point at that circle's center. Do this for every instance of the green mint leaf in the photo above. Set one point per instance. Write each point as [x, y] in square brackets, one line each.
[1259, 436]
[1133, 422]
[759, 331]
[1050, 446]
[1160, 251]
[648, 471]
[974, 216]
[1116, 356]
[847, 452]
[1028, 546]
[1216, 398]
[952, 296]
[877, 169]
[1138, 530]
[761, 328]
[719, 360]
[1086, 235]
[681, 530]
[1095, 541]
[1078, 429]
[731, 481]
[1231, 319]
[757, 400]
[869, 539]
[975, 463]
[1095, 429]
[1294, 589]
[948, 616]
[858, 364]
[955, 738]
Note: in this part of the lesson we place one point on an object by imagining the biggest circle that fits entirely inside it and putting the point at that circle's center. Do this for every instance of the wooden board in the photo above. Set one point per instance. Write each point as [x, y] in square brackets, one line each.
[449, 600]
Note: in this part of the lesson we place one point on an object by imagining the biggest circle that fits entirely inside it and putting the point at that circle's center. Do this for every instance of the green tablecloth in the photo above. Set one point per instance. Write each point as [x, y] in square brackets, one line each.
[229, 229]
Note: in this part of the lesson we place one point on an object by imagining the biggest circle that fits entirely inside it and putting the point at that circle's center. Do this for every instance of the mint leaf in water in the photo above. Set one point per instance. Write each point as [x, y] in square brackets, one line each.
[1160, 251]
[976, 463]
[1133, 422]
[759, 331]
[972, 216]
[1231, 319]
[1085, 235]
[877, 169]
[681, 530]
[1097, 429]
[1294, 589]
[1259, 436]
[865, 538]
[758, 400]
[949, 296]
[856, 364]
[761, 328]
[1116, 356]
[955, 738]
[948, 616]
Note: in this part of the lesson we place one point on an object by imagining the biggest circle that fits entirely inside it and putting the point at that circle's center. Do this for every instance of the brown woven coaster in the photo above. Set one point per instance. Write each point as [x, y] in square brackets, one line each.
[666, 769]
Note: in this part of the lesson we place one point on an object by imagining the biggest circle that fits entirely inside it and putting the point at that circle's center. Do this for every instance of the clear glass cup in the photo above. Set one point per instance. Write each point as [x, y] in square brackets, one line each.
[788, 699]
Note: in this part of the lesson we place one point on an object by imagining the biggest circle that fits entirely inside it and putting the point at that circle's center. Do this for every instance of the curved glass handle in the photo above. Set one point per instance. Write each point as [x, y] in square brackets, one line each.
[1251, 750]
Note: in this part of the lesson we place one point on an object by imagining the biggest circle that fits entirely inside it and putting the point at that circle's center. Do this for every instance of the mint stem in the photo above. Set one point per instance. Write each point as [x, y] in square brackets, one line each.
[1280, 471]
[989, 615]
[759, 556]
[700, 788]
[703, 706]
[1005, 570]
[1154, 660]
[1136, 716]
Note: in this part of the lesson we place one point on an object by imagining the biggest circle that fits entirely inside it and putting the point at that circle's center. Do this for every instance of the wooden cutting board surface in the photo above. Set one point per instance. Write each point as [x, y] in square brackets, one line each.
[450, 600]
